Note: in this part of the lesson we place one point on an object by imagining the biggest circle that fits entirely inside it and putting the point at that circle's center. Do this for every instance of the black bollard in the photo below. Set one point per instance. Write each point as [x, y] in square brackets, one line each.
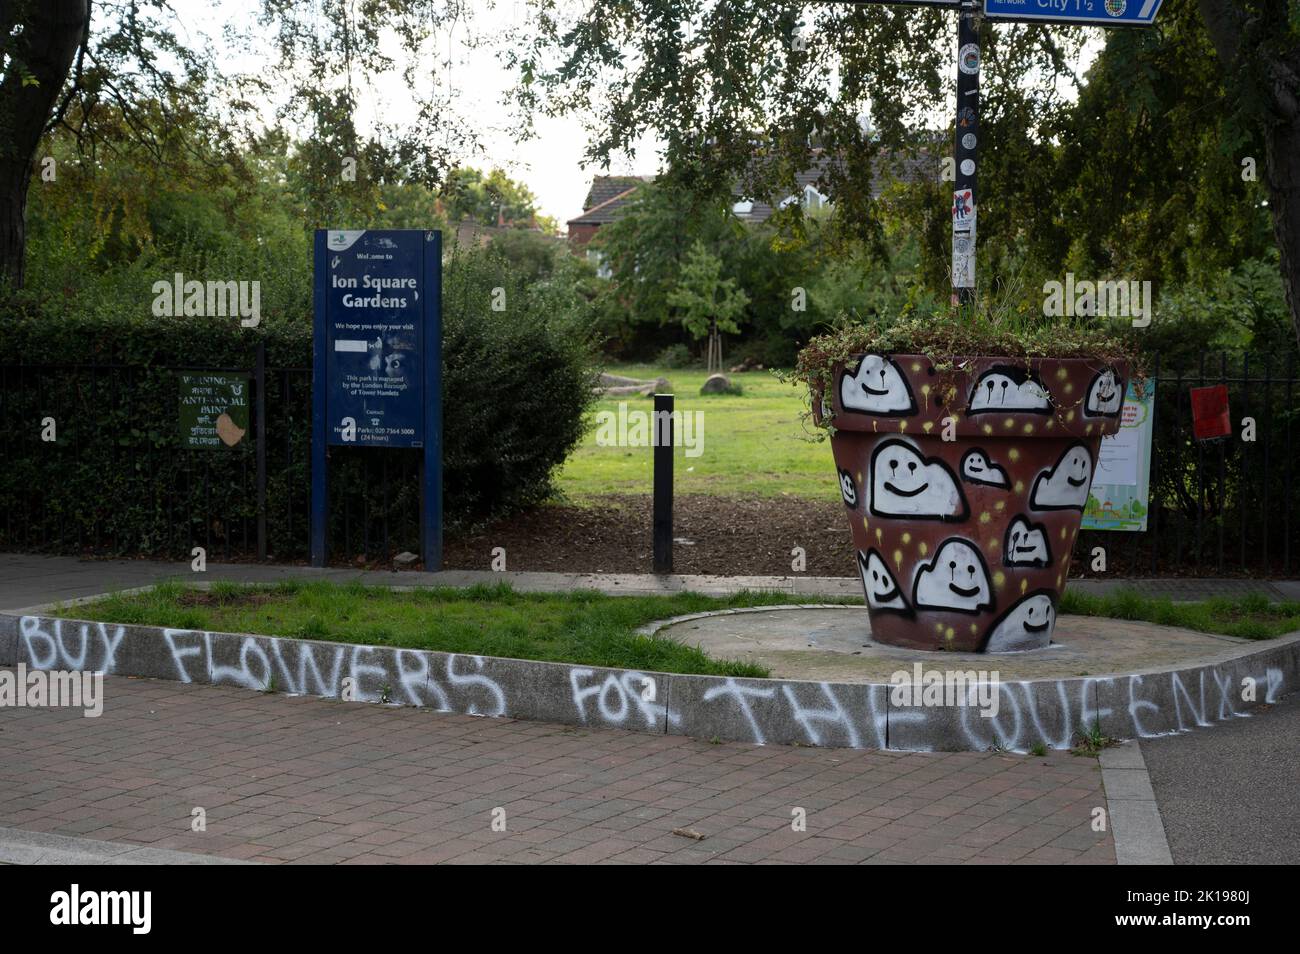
[663, 483]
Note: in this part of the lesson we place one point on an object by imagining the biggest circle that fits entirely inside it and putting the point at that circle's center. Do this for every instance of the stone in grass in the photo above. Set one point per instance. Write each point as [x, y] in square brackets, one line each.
[718, 384]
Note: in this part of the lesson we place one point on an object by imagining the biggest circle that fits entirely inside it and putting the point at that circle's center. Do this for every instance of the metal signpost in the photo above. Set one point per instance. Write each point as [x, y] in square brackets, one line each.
[965, 203]
[377, 362]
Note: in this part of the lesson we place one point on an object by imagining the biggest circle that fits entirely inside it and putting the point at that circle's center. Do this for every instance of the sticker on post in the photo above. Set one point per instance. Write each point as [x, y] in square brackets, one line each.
[963, 261]
[963, 210]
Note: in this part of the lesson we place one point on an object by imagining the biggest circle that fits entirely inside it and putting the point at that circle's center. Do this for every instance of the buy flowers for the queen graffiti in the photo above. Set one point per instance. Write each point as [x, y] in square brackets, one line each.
[965, 490]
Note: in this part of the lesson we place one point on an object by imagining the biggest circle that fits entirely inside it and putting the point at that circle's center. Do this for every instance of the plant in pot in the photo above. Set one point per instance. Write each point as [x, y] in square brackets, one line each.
[965, 448]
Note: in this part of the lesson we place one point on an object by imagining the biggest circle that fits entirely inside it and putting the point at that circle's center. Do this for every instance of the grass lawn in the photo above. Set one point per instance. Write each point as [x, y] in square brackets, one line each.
[754, 444]
[578, 627]
[1248, 617]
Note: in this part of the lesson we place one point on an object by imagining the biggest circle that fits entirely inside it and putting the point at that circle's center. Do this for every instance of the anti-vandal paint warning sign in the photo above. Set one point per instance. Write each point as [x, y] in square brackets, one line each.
[213, 410]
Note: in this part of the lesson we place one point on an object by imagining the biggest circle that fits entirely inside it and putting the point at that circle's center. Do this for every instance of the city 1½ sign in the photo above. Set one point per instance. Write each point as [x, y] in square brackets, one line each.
[377, 361]
[1108, 13]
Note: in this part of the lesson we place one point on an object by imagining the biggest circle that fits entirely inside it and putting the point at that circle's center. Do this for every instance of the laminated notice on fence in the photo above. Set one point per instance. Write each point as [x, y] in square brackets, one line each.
[213, 410]
[1121, 487]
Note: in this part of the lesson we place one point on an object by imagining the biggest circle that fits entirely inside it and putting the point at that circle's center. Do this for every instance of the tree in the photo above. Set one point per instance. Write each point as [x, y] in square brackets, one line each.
[708, 303]
[38, 41]
[134, 74]
[750, 88]
[494, 199]
[646, 246]
[1258, 45]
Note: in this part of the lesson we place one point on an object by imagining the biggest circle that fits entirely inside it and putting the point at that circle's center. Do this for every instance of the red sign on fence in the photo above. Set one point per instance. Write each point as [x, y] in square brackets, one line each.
[1210, 412]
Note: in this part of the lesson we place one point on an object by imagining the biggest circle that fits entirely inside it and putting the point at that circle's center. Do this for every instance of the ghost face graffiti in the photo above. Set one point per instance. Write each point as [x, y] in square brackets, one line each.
[1105, 395]
[976, 468]
[848, 489]
[1027, 625]
[905, 484]
[1026, 545]
[1065, 485]
[877, 387]
[883, 593]
[955, 580]
[1008, 389]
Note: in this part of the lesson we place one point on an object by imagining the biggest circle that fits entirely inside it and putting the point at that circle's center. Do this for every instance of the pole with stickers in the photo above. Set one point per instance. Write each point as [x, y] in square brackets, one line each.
[965, 195]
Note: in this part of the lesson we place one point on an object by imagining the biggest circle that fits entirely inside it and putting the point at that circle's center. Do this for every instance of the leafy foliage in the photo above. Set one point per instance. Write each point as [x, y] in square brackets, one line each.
[704, 298]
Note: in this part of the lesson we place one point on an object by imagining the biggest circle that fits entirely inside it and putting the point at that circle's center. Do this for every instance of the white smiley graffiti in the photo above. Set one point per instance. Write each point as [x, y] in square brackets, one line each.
[1064, 486]
[1027, 625]
[1026, 545]
[978, 469]
[1008, 389]
[878, 583]
[1105, 395]
[848, 490]
[877, 387]
[905, 484]
[955, 580]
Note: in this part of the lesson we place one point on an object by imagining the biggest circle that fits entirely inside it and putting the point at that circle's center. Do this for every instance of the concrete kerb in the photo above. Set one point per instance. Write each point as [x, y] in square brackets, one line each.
[1135, 820]
[1048, 713]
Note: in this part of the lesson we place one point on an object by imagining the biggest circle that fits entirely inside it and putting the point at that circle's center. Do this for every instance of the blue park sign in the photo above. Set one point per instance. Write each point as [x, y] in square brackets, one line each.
[1105, 13]
[377, 360]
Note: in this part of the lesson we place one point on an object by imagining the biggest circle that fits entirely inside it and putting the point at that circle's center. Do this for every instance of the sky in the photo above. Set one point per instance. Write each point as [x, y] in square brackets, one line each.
[551, 165]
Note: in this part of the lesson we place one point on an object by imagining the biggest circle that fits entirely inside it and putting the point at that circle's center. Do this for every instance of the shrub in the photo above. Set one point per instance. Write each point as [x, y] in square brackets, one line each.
[676, 357]
[516, 389]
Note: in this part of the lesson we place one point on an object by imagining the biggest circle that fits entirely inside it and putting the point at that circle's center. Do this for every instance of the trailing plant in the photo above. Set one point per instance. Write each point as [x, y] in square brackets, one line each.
[948, 339]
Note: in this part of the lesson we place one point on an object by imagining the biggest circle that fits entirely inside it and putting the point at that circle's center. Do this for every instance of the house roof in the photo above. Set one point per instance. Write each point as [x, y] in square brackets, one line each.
[604, 188]
[607, 210]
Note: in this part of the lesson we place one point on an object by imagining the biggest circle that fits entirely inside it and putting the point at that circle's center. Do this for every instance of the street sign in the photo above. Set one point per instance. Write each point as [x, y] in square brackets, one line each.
[213, 410]
[1105, 13]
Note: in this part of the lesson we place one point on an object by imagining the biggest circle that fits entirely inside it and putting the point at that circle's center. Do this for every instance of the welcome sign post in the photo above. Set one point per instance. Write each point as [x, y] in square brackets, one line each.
[377, 362]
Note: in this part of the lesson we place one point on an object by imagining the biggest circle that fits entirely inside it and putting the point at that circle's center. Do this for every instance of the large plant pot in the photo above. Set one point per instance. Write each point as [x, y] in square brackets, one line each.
[964, 544]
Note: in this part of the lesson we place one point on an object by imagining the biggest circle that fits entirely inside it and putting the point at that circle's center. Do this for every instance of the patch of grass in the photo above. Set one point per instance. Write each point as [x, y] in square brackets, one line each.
[755, 443]
[1247, 617]
[576, 627]
[1091, 742]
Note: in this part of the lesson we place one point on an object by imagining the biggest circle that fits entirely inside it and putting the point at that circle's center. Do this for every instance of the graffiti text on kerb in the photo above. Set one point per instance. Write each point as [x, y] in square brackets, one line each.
[945, 687]
[21, 688]
[630, 428]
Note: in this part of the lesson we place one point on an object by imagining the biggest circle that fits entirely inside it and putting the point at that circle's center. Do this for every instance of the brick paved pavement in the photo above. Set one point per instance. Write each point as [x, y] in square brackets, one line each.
[286, 779]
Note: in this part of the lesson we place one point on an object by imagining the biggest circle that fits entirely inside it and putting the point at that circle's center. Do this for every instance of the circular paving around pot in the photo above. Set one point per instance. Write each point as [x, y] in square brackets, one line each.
[833, 644]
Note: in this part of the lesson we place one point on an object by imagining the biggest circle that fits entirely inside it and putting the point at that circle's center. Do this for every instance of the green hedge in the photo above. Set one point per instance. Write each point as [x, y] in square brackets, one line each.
[516, 389]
